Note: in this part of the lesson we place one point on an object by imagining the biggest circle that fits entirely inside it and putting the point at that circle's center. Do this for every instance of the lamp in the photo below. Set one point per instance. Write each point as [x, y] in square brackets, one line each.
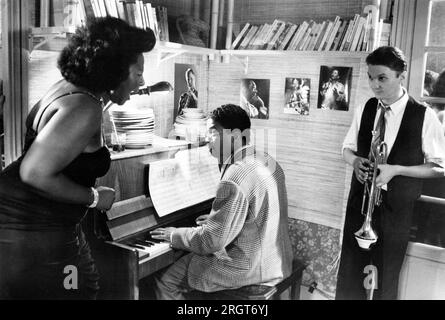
[162, 86]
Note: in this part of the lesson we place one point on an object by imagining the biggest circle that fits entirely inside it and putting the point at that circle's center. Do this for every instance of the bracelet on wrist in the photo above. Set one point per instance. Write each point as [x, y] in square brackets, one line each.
[95, 198]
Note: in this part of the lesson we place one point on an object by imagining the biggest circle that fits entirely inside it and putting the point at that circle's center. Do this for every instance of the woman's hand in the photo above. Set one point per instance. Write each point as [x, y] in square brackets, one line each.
[106, 198]
[361, 167]
[202, 219]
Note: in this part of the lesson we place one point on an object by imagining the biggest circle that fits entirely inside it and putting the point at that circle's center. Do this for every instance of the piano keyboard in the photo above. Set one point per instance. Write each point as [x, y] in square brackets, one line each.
[149, 247]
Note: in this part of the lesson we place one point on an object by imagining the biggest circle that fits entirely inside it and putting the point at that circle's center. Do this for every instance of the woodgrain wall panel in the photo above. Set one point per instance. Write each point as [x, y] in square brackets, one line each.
[308, 147]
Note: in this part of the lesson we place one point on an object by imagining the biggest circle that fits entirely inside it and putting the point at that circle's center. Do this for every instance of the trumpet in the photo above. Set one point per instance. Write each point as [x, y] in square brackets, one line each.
[372, 197]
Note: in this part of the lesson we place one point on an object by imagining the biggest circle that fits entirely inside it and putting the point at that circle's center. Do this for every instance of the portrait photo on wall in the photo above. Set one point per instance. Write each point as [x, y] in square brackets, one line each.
[335, 87]
[297, 95]
[186, 90]
[254, 97]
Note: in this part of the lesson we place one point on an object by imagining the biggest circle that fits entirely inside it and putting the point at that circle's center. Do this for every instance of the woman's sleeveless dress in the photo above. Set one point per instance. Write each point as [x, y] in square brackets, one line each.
[43, 251]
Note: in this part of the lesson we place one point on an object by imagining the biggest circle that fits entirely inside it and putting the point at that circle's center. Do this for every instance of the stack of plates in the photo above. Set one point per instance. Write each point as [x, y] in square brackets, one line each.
[138, 124]
[192, 124]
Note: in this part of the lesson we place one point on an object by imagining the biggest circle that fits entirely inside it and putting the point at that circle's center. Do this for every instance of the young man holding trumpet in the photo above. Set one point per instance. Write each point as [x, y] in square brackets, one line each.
[403, 140]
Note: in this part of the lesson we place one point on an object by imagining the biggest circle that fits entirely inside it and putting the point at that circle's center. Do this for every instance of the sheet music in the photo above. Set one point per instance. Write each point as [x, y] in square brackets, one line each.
[188, 179]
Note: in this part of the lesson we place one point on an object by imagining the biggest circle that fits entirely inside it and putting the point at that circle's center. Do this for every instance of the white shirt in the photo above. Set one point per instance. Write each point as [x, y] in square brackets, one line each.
[433, 138]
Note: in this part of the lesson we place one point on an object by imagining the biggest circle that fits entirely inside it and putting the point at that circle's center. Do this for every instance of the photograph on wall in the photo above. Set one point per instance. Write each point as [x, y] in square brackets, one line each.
[335, 87]
[186, 90]
[297, 95]
[254, 97]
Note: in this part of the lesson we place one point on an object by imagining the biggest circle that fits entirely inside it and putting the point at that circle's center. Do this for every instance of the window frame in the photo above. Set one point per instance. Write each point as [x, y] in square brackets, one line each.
[421, 50]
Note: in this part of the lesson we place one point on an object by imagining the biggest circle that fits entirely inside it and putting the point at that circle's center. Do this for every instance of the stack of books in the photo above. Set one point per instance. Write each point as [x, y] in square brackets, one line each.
[356, 34]
[137, 13]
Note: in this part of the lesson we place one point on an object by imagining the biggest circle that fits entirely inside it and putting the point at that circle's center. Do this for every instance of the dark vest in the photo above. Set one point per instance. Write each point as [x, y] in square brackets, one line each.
[406, 151]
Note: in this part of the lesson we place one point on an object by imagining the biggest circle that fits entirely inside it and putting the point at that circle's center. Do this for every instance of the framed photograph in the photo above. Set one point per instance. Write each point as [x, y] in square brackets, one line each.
[254, 97]
[186, 90]
[335, 88]
[297, 95]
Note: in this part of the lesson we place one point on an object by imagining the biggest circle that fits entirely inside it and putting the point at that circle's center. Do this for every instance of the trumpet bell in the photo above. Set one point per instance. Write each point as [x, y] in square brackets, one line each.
[365, 238]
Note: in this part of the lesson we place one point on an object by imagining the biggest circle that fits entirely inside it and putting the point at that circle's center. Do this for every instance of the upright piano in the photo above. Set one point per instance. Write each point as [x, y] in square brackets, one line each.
[177, 191]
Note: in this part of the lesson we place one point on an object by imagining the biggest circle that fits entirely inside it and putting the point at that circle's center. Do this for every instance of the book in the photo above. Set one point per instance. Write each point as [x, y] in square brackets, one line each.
[294, 36]
[102, 8]
[321, 28]
[360, 39]
[287, 36]
[367, 29]
[313, 36]
[271, 43]
[342, 36]
[339, 35]
[358, 30]
[260, 42]
[247, 38]
[298, 35]
[271, 32]
[155, 22]
[325, 36]
[96, 9]
[306, 35]
[255, 35]
[111, 7]
[320, 35]
[160, 24]
[333, 33]
[352, 33]
[345, 38]
[385, 33]
[240, 36]
[121, 12]
[165, 22]
[88, 7]
[130, 9]
[138, 18]
[149, 16]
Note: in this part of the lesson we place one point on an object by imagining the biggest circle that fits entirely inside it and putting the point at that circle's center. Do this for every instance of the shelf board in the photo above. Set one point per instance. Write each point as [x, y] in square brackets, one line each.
[48, 31]
[357, 54]
[174, 47]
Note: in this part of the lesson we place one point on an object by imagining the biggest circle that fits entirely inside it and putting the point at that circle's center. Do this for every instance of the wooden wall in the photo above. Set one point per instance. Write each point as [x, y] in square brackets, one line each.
[43, 73]
[308, 147]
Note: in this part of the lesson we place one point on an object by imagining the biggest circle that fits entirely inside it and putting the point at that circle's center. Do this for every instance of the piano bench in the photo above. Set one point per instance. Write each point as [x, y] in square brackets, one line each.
[262, 292]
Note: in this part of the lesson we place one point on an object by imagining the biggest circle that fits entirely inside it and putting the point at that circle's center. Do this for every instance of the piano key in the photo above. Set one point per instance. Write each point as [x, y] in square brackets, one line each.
[137, 246]
[143, 243]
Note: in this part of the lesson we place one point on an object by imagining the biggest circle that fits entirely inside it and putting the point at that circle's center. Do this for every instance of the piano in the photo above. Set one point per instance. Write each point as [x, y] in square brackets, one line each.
[177, 191]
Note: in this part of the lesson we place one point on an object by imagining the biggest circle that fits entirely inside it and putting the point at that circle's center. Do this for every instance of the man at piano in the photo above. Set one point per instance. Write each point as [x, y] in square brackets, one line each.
[244, 240]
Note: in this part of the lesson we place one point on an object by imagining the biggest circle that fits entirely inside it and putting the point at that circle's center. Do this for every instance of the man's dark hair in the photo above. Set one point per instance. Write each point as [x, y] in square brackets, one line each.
[231, 116]
[98, 55]
[391, 57]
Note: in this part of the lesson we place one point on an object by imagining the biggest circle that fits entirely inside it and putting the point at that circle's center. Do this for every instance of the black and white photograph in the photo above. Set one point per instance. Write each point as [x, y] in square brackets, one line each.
[297, 96]
[254, 97]
[186, 91]
[205, 152]
[335, 87]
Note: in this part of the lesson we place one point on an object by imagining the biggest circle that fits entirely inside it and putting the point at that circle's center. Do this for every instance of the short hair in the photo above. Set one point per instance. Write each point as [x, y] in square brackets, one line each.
[231, 116]
[391, 57]
[99, 54]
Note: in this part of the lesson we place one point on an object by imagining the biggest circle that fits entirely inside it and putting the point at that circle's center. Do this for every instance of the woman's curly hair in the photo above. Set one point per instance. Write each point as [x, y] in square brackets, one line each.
[98, 55]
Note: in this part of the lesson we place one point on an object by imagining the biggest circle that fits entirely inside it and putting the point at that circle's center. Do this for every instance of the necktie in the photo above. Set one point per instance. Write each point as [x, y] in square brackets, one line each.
[379, 129]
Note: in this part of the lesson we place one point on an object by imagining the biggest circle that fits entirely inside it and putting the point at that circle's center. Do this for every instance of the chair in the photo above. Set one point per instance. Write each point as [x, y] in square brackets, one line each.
[261, 292]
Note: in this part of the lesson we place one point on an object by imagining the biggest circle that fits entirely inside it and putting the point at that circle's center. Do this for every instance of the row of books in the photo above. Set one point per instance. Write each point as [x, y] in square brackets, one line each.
[357, 34]
[137, 13]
